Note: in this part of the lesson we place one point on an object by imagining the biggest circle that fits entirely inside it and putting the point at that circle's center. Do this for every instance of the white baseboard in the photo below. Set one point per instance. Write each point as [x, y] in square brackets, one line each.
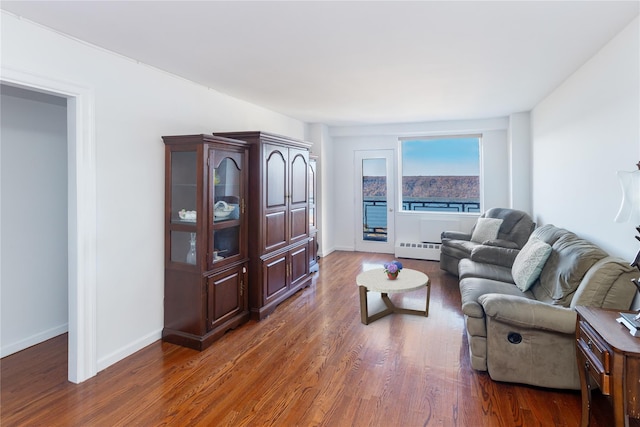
[128, 350]
[17, 346]
[323, 254]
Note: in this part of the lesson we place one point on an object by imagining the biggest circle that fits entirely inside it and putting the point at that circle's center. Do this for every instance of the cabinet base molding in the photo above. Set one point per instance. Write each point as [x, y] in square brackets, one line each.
[201, 342]
[260, 313]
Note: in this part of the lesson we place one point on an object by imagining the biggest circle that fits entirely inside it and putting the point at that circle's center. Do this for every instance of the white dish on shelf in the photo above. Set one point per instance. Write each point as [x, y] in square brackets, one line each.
[186, 215]
[222, 210]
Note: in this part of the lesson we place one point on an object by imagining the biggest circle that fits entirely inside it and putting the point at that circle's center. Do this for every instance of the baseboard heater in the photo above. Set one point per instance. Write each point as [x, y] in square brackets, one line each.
[428, 251]
[429, 245]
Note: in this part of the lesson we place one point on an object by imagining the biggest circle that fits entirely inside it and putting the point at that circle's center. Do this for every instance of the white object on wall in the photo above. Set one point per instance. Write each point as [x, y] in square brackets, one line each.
[630, 205]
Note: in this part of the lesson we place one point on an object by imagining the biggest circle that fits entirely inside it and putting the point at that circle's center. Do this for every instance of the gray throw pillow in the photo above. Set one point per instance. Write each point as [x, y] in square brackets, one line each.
[486, 229]
[529, 263]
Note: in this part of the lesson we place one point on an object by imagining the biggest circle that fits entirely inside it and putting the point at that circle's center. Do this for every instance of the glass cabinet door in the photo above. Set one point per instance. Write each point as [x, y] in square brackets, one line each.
[312, 194]
[183, 187]
[183, 247]
[183, 205]
[226, 205]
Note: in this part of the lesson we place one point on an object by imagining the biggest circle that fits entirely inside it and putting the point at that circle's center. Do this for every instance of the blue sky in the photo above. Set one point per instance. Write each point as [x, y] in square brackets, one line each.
[374, 167]
[434, 157]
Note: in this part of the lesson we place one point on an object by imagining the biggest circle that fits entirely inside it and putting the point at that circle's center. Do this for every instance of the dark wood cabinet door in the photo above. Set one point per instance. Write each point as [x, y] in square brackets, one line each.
[313, 213]
[313, 177]
[298, 195]
[313, 250]
[275, 189]
[274, 279]
[226, 295]
[227, 176]
[299, 265]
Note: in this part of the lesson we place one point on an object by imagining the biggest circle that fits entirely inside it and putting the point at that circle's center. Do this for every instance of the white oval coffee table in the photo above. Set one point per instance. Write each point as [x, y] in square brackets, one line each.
[376, 281]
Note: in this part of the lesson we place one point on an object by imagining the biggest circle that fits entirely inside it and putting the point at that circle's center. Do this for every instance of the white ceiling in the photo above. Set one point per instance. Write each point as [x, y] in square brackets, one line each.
[359, 62]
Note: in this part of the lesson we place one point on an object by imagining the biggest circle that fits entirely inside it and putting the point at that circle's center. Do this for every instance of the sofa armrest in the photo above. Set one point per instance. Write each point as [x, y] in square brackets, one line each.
[455, 235]
[494, 255]
[529, 313]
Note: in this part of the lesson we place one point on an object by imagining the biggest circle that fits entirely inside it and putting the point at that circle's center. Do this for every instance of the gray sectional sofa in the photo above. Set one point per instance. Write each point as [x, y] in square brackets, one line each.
[527, 335]
[514, 229]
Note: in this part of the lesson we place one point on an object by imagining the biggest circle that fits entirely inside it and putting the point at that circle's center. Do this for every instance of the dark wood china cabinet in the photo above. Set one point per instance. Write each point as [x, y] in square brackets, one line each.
[313, 213]
[278, 218]
[206, 255]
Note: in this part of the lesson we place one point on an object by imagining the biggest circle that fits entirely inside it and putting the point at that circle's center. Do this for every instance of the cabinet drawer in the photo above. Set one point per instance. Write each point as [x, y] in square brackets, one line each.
[596, 346]
[597, 355]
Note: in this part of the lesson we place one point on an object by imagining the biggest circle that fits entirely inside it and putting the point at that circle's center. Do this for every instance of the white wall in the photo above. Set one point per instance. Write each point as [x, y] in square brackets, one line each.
[318, 134]
[346, 140]
[134, 106]
[520, 161]
[584, 132]
[33, 286]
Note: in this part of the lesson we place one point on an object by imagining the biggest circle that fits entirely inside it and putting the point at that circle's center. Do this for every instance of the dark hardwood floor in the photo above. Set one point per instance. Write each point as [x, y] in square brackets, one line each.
[310, 363]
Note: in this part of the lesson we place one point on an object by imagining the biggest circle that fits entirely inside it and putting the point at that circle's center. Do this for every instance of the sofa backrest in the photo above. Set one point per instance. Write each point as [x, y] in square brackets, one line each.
[516, 225]
[570, 260]
[607, 284]
[549, 233]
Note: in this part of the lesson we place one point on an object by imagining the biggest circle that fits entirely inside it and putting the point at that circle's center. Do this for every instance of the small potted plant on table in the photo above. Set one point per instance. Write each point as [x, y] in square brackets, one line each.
[392, 269]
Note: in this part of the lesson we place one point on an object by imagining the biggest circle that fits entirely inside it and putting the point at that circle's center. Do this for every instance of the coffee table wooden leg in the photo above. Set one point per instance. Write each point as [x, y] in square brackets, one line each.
[392, 308]
[387, 302]
[426, 312]
[364, 311]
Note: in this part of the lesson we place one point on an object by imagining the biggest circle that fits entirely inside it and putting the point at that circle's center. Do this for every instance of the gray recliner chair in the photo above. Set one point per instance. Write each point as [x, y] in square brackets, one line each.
[513, 233]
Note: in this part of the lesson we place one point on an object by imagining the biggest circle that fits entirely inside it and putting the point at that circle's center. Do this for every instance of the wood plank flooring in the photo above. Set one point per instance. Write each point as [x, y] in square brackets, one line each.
[311, 363]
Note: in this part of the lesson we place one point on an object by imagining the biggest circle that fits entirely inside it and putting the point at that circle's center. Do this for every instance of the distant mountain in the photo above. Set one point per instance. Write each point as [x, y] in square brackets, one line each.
[425, 187]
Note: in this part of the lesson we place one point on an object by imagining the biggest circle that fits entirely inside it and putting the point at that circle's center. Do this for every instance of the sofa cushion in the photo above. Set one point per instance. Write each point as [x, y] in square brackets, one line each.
[529, 262]
[488, 254]
[561, 275]
[470, 268]
[607, 284]
[458, 248]
[486, 229]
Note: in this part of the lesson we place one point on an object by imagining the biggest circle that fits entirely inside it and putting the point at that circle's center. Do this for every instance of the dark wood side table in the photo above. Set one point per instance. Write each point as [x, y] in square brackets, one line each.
[609, 354]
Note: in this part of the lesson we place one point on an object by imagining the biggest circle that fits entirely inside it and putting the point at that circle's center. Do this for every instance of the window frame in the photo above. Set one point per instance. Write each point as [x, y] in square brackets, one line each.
[400, 198]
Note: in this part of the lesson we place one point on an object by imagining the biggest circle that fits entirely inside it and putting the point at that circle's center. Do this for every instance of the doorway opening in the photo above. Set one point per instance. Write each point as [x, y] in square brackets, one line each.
[81, 216]
[375, 213]
[34, 218]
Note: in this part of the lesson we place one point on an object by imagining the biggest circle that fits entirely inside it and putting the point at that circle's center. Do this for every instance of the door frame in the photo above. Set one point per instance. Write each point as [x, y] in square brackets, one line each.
[361, 245]
[82, 221]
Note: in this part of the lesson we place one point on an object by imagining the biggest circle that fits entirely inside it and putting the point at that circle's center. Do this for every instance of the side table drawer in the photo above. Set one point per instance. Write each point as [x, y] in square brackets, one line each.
[597, 354]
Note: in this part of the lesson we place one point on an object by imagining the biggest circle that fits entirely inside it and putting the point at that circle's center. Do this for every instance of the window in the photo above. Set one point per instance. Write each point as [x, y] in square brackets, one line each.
[441, 174]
